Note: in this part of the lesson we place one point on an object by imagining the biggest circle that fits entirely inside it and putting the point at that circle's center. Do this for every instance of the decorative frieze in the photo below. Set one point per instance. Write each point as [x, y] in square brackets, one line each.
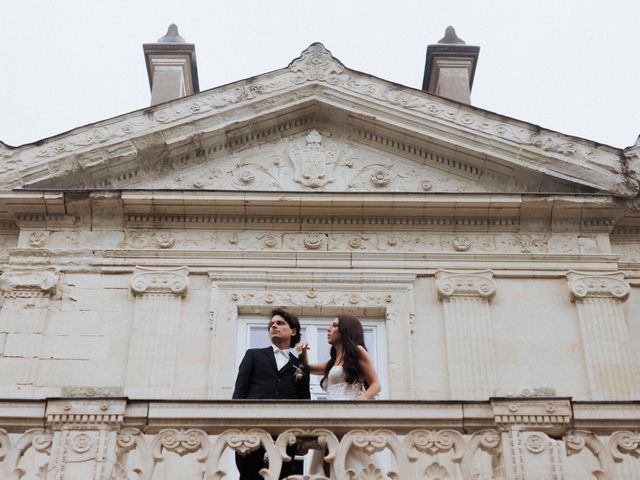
[469, 339]
[603, 329]
[153, 345]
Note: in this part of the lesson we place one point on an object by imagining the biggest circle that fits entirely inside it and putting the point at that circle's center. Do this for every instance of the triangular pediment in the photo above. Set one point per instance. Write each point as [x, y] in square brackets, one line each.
[316, 126]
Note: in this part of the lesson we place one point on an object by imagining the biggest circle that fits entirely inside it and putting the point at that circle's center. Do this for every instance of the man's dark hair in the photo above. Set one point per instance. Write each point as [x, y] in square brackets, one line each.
[293, 322]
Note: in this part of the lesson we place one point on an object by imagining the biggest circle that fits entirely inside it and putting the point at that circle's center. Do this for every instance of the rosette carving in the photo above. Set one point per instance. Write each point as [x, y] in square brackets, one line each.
[472, 284]
[601, 285]
[170, 280]
[536, 442]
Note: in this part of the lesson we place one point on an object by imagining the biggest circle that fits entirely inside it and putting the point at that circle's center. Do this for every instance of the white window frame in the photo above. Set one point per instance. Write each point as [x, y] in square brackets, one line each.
[314, 330]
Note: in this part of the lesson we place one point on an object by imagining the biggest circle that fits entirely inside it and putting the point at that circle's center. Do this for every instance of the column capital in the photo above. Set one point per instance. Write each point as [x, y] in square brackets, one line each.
[598, 285]
[465, 284]
[29, 283]
[160, 280]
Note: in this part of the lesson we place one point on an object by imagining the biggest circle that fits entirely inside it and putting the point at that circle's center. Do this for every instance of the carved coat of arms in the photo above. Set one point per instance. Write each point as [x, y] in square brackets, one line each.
[313, 162]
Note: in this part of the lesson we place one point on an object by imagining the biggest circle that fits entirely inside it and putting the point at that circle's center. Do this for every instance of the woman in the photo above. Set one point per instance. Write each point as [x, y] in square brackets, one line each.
[349, 373]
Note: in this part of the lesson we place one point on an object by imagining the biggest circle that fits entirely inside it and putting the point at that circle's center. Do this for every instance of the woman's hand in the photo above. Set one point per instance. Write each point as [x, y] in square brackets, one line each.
[302, 347]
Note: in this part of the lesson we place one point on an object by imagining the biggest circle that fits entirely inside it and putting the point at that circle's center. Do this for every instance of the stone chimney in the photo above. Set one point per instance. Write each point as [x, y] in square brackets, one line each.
[450, 67]
[171, 66]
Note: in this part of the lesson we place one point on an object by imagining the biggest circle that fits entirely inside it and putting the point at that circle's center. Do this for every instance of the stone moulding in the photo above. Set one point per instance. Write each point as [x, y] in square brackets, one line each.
[137, 133]
[598, 285]
[465, 284]
[160, 280]
[29, 283]
[518, 438]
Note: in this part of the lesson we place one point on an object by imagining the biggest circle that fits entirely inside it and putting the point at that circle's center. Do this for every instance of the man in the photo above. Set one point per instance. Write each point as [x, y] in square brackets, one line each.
[272, 373]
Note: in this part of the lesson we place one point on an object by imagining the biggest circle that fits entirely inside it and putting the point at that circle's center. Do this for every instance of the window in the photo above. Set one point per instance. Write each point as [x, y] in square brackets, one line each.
[253, 333]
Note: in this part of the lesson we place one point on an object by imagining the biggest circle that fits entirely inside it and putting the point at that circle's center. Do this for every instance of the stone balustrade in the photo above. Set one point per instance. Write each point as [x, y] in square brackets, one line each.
[503, 438]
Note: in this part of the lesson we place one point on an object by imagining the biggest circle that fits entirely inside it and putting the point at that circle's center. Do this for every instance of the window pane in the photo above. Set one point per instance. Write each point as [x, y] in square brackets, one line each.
[259, 336]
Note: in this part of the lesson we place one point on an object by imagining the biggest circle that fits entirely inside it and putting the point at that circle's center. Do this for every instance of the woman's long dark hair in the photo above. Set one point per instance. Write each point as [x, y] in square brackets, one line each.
[351, 335]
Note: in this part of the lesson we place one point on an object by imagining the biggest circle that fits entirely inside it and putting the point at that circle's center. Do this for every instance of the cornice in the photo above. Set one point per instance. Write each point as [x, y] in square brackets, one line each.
[138, 134]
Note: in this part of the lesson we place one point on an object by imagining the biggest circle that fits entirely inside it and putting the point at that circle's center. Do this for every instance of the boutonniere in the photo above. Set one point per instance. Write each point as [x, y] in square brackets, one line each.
[298, 373]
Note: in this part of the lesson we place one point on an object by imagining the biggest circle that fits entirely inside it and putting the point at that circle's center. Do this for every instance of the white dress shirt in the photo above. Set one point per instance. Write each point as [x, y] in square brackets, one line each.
[282, 356]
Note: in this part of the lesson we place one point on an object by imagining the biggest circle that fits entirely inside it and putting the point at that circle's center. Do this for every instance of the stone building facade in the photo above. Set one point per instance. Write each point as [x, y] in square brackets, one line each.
[497, 262]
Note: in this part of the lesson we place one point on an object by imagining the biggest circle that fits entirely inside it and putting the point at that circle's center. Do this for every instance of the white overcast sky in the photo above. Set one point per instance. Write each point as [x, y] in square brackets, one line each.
[570, 66]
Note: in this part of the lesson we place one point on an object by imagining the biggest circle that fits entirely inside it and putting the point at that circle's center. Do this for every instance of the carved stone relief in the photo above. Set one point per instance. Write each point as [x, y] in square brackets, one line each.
[327, 158]
[398, 241]
[121, 137]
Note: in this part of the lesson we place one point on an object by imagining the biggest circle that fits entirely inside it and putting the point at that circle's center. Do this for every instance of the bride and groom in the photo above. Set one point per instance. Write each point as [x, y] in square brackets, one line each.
[276, 373]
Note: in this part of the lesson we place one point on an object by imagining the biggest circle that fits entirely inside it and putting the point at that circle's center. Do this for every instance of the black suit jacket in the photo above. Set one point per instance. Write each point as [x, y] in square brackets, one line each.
[259, 377]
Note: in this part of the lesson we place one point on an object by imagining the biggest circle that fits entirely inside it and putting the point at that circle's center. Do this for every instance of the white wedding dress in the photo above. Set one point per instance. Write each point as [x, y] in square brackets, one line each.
[337, 388]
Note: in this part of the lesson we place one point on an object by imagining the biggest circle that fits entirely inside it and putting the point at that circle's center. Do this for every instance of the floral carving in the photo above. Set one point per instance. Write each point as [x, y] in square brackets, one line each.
[165, 240]
[316, 63]
[536, 443]
[181, 442]
[433, 442]
[38, 239]
[355, 242]
[370, 472]
[435, 471]
[461, 244]
[270, 241]
[313, 241]
[380, 176]
[81, 443]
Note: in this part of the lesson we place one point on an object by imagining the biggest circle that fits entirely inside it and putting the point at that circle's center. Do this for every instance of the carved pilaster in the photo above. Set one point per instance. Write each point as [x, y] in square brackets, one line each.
[24, 315]
[155, 330]
[532, 455]
[609, 360]
[470, 350]
[84, 438]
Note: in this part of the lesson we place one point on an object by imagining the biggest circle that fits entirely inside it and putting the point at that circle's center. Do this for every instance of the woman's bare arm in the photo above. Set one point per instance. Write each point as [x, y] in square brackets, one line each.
[369, 374]
[315, 368]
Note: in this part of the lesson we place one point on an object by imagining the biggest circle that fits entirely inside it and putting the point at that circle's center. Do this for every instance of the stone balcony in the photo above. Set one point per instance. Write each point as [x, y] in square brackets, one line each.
[503, 438]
